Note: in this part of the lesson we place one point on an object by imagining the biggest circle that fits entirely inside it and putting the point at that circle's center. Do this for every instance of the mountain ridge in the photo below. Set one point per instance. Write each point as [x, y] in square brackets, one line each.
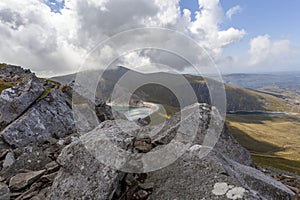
[238, 99]
[43, 160]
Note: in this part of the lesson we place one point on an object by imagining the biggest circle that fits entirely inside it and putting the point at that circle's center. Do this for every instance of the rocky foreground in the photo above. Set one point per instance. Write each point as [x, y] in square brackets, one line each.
[43, 155]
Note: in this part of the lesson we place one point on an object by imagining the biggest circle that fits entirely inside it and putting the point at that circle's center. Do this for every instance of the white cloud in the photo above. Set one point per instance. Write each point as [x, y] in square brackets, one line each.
[207, 31]
[263, 51]
[135, 60]
[53, 43]
[232, 11]
[230, 35]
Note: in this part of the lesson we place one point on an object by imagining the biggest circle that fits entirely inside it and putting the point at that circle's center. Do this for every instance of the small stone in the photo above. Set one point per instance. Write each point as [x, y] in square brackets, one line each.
[28, 149]
[61, 142]
[147, 186]
[4, 192]
[9, 159]
[22, 180]
[236, 193]
[143, 145]
[220, 189]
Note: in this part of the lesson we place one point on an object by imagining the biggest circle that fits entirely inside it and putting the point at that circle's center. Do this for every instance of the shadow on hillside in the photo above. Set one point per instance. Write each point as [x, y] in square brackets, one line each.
[252, 144]
[250, 119]
[277, 162]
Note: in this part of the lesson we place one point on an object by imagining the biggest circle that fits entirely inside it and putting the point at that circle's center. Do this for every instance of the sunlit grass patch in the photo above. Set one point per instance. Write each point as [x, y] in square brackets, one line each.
[273, 140]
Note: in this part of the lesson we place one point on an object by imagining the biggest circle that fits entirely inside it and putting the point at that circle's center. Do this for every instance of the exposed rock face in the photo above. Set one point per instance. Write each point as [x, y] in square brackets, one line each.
[51, 117]
[83, 95]
[10, 71]
[33, 171]
[226, 144]
[194, 178]
[89, 179]
[14, 101]
[37, 124]
[89, 110]
[223, 174]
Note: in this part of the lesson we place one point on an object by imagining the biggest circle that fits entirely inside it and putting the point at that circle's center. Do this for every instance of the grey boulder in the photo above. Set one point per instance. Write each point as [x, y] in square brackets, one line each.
[14, 101]
[87, 179]
[213, 177]
[51, 117]
[91, 170]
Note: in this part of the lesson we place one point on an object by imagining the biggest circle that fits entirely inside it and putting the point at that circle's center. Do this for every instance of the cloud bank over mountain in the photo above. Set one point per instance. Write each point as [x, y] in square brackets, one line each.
[53, 37]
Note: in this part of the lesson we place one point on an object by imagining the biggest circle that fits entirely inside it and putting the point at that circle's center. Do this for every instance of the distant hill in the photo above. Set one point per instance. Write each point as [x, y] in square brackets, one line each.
[256, 81]
[237, 98]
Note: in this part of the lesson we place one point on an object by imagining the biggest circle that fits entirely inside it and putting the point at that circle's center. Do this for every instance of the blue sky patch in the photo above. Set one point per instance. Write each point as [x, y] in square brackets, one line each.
[192, 5]
[55, 5]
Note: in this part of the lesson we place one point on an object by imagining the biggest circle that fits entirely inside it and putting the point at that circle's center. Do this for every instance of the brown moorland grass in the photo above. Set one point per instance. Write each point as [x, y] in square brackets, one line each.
[273, 141]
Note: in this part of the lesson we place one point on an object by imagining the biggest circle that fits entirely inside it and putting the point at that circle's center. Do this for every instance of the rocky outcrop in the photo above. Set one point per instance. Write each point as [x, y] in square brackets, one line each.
[15, 100]
[31, 174]
[11, 70]
[223, 174]
[90, 179]
[201, 179]
[51, 117]
[42, 155]
[89, 110]
[37, 119]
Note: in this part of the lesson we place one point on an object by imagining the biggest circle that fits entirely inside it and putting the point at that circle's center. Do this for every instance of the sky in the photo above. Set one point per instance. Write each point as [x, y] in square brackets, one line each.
[53, 37]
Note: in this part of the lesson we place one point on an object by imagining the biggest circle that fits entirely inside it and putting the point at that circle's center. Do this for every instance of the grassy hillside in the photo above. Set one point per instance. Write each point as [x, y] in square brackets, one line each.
[245, 99]
[272, 140]
[237, 98]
